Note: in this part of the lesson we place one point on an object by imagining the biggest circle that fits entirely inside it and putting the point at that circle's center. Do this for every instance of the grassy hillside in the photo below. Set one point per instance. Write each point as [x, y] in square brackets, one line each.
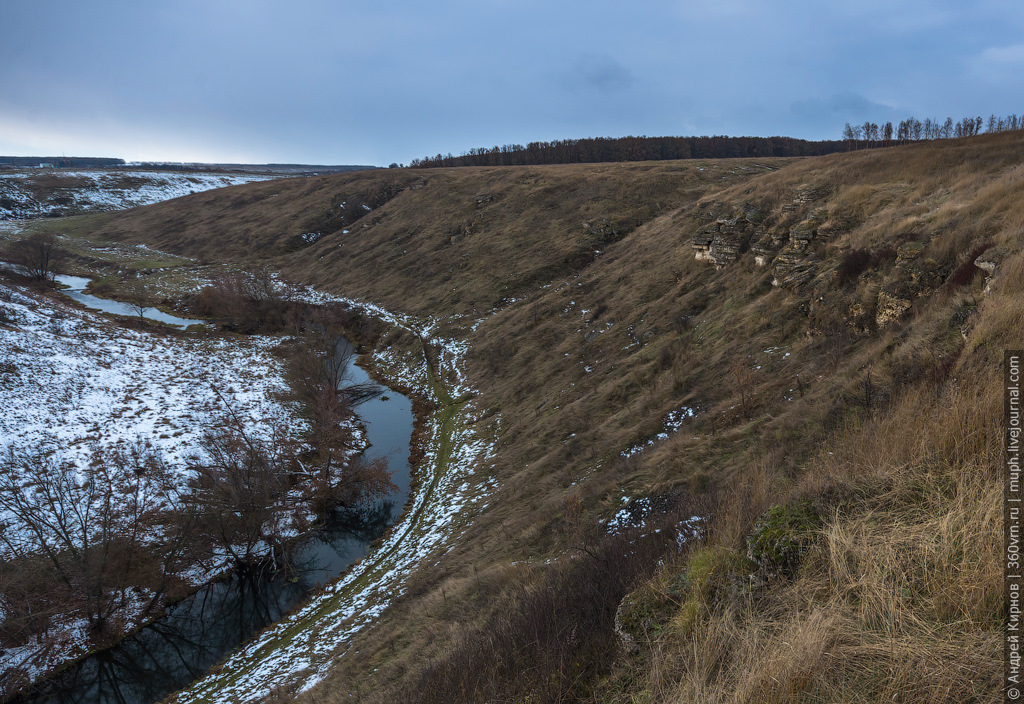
[433, 241]
[806, 352]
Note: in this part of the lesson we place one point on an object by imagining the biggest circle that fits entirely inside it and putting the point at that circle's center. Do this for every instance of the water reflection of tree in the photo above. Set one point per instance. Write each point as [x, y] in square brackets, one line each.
[364, 524]
[196, 633]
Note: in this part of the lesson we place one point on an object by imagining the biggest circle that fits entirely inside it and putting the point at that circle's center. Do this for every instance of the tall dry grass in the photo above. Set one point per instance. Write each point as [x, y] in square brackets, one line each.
[901, 600]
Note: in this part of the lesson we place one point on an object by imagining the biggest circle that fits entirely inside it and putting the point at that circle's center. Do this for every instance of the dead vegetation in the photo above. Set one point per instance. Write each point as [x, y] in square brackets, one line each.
[865, 392]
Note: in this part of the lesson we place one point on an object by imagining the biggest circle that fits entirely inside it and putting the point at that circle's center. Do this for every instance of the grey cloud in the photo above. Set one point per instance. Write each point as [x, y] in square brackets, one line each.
[600, 72]
[349, 81]
[842, 107]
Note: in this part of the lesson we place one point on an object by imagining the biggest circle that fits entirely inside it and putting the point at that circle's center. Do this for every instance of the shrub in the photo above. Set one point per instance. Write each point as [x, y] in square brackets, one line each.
[37, 257]
[852, 263]
[965, 273]
[782, 536]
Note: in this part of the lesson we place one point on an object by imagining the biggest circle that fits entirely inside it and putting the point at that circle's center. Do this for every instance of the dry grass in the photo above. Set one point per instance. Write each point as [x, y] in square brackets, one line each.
[890, 432]
[902, 598]
[452, 240]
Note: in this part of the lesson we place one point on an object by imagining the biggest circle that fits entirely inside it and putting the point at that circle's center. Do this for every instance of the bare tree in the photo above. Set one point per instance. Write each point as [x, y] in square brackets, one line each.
[87, 523]
[903, 131]
[138, 296]
[241, 487]
[39, 257]
[849, 135]
[319, 372]
[248, 300]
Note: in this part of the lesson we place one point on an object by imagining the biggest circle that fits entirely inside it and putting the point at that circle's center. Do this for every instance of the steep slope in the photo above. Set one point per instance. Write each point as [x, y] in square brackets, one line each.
[824, 339]
[454, 241]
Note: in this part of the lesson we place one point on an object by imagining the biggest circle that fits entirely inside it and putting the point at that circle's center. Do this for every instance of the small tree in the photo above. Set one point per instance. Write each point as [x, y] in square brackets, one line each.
[39, 257]
[138, 297]
[241, 486]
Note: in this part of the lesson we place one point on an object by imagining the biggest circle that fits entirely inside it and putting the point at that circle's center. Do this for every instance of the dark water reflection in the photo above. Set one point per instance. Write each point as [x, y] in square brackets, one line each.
[201, 630]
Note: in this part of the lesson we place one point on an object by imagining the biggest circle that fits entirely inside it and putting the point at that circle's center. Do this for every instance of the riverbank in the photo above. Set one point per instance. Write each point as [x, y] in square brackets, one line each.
[449, 487]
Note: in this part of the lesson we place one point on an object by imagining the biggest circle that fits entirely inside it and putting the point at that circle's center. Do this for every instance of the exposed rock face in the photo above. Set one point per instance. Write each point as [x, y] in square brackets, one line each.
[890, 308]
[800, 235]
[810, 194]
[702, 244]
[988, 262]
[723, 239]
[722, 242]
[927, 277]
[795, 265]
[794, 268]
[908, 252]
[765, 247]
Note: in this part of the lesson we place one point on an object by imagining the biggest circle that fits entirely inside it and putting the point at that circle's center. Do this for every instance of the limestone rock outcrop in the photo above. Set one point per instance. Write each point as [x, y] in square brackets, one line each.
[890, 308]
[723, 240]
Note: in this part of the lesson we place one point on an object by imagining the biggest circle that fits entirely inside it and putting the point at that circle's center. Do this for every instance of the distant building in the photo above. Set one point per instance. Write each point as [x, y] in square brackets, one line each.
[45, 165]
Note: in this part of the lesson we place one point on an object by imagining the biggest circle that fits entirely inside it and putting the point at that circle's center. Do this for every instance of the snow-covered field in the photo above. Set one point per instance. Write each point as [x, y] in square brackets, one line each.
[32, 193]
[74, 383]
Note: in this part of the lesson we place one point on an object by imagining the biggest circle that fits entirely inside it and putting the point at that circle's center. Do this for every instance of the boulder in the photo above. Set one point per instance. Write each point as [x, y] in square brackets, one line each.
[988, 262]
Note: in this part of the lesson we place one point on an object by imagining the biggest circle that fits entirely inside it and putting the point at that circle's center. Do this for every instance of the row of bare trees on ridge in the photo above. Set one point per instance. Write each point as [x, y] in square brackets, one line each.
[870, 134]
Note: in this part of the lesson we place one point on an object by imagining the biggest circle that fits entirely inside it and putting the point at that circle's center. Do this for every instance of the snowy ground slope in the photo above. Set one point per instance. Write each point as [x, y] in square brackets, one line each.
[33, 194]
[298, 651]
[73, 382]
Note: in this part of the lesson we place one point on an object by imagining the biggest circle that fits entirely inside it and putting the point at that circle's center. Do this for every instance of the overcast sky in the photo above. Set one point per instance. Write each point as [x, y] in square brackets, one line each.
[346, 82]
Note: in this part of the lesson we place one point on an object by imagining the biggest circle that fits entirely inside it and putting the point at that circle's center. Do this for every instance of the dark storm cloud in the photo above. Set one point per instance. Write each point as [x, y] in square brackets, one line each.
[359, 82]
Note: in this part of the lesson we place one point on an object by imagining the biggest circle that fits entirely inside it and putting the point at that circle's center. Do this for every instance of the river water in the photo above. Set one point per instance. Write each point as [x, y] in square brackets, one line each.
[107, 305]
[201, 630]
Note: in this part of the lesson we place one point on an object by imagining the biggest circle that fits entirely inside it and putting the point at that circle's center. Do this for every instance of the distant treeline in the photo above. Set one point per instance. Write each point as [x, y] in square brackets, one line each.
[604, 149]
[60, 161]
[870, 134]
[292, 169]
